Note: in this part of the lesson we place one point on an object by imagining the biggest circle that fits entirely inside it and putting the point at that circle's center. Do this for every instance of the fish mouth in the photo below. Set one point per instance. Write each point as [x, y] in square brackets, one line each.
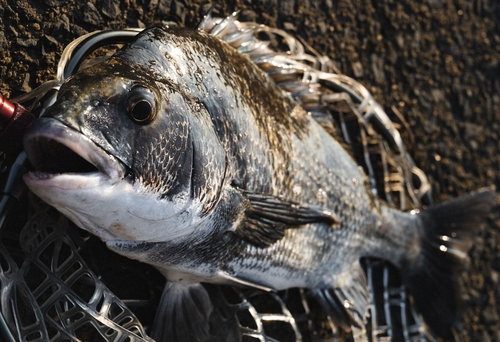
[55, 149]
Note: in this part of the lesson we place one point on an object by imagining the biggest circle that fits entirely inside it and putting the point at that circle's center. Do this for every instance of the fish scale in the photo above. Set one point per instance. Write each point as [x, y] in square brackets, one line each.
[226, 216]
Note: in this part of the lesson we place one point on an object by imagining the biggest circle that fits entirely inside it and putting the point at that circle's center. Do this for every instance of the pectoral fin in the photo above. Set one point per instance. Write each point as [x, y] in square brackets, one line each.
[267, 217]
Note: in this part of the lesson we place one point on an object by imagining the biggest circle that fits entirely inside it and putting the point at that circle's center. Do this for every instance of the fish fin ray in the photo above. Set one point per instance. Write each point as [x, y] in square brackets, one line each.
[267, 217]
[448, 232]
[347, 302]
[207, 22]
[183, 313]
[240, 281]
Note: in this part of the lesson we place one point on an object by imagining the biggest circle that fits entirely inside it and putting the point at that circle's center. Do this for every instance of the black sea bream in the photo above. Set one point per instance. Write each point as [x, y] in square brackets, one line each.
[179, 152]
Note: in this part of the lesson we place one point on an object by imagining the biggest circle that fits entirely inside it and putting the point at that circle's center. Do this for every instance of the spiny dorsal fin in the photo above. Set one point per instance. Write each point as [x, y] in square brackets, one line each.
[267, 217]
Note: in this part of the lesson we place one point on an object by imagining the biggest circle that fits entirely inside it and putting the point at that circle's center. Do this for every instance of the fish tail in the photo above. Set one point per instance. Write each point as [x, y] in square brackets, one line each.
[447, 234]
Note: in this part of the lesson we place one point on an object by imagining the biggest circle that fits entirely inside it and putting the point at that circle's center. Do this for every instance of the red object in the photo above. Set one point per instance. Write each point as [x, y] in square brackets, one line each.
[7, 110]
[14, 119]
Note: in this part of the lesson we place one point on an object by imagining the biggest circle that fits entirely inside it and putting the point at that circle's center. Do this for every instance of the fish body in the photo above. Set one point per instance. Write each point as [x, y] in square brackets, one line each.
[179, 152]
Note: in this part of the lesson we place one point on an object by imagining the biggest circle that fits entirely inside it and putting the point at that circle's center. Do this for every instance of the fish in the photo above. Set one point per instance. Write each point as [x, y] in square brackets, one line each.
[179, 152]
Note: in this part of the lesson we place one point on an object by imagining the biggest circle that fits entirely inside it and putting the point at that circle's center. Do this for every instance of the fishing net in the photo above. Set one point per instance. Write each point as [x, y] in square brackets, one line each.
[60, 284]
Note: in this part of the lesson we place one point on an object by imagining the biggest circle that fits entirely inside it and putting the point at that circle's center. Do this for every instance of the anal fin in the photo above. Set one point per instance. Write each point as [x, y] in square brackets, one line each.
[347, 302]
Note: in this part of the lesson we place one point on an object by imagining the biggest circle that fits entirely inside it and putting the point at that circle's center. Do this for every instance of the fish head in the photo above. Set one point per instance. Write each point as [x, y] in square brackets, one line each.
[121, 152]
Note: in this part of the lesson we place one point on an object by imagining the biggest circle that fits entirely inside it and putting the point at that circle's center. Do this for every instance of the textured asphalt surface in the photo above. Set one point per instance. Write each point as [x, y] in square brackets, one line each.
[434, 61]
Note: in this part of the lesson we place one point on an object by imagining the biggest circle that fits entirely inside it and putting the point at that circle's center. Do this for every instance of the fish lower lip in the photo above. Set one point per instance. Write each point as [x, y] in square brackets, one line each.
[54, 148]
[42, 175]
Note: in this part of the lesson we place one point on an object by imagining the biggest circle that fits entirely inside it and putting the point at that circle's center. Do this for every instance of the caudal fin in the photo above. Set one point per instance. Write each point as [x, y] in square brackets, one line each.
[447, 235]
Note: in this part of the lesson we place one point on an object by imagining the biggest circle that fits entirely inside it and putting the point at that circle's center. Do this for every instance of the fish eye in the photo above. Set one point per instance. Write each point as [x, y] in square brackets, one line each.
[141, 105]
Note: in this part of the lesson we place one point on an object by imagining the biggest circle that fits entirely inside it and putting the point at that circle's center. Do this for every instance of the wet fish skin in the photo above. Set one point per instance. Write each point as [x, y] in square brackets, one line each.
[289, 139]
[229, 180]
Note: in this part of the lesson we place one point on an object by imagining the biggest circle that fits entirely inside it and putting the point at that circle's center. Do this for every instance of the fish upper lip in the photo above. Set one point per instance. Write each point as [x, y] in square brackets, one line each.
[52, 129]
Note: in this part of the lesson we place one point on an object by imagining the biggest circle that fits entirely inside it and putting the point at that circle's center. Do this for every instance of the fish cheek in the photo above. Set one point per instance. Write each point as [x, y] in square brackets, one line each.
[140, 147]
[162, 157]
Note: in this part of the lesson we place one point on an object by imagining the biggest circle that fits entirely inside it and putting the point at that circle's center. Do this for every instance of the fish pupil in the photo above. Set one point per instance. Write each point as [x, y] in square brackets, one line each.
[141, 105]
[141, 111]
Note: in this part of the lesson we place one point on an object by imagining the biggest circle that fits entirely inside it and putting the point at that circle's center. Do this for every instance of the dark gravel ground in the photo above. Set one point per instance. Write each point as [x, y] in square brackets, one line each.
[434, 61]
